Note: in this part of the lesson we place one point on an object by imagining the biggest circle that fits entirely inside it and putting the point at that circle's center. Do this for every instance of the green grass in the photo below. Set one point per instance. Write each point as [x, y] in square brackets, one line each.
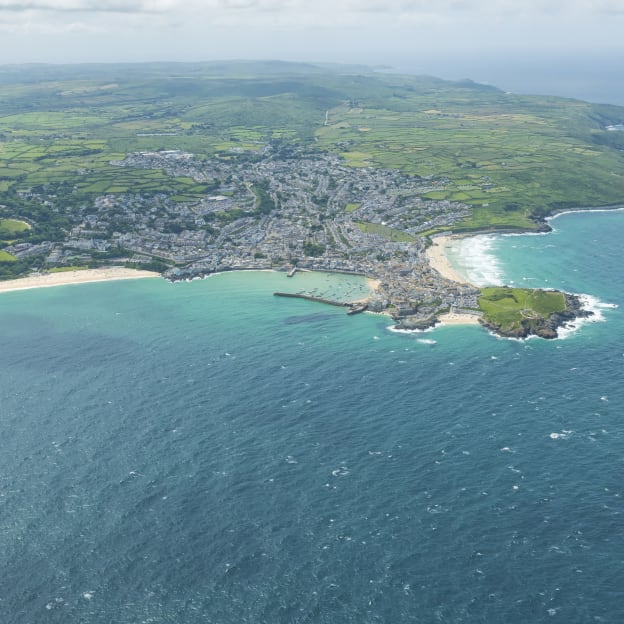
[352, 207]
[11, 226]
[384, 231]
[64, 269]
[510, 157]
[508, 308]
[492, 150]
[5, 256]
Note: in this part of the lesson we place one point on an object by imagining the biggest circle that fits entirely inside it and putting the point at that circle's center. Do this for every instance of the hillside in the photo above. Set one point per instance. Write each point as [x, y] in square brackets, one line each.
[498, 160]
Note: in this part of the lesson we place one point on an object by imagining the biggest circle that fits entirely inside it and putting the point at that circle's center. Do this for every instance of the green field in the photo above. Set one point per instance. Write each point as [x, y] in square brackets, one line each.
[9, 227]
[386, 232]
[512, 158]
[6, 256]
[510, 308]
[64, 269]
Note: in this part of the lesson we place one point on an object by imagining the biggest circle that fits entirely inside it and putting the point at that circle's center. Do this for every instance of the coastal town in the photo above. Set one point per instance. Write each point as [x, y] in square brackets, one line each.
[278, 209]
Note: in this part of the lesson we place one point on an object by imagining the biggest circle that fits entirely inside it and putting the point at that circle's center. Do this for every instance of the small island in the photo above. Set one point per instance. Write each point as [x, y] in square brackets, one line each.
[522, 312]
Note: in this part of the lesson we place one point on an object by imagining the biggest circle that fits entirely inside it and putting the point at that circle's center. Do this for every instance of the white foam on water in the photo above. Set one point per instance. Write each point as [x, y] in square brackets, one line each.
[592, 304]
[562, 435]
[343, 471]
[565, 212]
[478, 262]
[398, 330]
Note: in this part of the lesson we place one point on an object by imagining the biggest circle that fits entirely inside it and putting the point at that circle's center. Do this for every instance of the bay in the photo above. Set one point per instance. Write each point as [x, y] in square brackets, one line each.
[206, 452]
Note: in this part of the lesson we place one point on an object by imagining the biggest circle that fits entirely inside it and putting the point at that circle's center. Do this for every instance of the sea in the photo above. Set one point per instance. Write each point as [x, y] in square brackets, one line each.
[207, 452]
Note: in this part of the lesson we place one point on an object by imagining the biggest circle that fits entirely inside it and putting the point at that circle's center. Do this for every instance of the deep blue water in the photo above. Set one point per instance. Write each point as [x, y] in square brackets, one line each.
[205, 452]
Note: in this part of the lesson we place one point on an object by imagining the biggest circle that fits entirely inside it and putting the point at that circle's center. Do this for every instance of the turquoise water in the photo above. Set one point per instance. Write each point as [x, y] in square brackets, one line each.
[206, 452]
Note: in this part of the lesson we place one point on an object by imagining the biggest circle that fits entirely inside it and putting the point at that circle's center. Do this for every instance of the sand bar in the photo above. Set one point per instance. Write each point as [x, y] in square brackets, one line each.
[64, 278]
[436, 254]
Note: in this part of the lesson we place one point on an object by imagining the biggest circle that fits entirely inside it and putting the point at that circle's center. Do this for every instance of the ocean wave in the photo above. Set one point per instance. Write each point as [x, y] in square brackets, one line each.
[522, 234]
[478, 262]
[581, 210]
[591, 304]
[397, 330]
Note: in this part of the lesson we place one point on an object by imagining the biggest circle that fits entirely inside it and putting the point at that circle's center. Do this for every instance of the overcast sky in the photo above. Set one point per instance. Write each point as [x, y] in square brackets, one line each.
[368, 31]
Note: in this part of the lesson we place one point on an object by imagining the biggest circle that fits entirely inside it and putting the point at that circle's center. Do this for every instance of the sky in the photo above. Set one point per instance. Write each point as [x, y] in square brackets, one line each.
[431, 36]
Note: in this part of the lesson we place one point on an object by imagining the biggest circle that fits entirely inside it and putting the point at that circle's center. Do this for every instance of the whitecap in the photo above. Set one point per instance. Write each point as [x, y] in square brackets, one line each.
[398, 330]
[343, 471]
[427, 341]
[564, 434]
[478, 261]
[564, 212]
[591, 304]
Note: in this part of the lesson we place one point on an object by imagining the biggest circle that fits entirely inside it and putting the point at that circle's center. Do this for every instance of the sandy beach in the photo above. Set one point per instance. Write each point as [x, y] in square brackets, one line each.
[65, 278]
[436, 254]
[373, 284]
[454, 318]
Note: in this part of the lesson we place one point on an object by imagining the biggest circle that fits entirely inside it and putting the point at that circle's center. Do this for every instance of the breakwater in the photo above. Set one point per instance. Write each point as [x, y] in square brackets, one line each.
[333, 302]
[354, 308]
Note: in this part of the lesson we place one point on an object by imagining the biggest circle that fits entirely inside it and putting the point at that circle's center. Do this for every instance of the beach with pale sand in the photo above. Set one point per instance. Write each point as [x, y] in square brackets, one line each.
[436, 254]
[455, 318]
[438, 260]
[65, 278]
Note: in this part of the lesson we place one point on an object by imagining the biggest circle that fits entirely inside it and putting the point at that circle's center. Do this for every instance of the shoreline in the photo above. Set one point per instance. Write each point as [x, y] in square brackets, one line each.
[564, 211]
[67, 278]
[459, 318]
[438, 260]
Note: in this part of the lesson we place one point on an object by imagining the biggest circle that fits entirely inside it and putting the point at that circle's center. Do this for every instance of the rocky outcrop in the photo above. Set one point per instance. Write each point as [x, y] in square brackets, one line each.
[415, 322]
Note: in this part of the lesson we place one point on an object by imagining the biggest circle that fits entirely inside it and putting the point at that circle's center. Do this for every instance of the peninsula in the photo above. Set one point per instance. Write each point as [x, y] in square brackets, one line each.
[190, 170]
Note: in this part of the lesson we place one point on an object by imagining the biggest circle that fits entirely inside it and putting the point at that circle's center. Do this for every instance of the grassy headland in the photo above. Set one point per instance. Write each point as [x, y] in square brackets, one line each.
[492, 159]
[519, 312]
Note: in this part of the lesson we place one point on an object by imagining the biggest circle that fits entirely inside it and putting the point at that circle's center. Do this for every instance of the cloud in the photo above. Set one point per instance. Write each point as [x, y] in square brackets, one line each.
[344, 10]
[87, 6]
[357, 30]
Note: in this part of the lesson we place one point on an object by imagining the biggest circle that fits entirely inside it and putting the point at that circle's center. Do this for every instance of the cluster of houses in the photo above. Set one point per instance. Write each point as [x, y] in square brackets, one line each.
[268, 211]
